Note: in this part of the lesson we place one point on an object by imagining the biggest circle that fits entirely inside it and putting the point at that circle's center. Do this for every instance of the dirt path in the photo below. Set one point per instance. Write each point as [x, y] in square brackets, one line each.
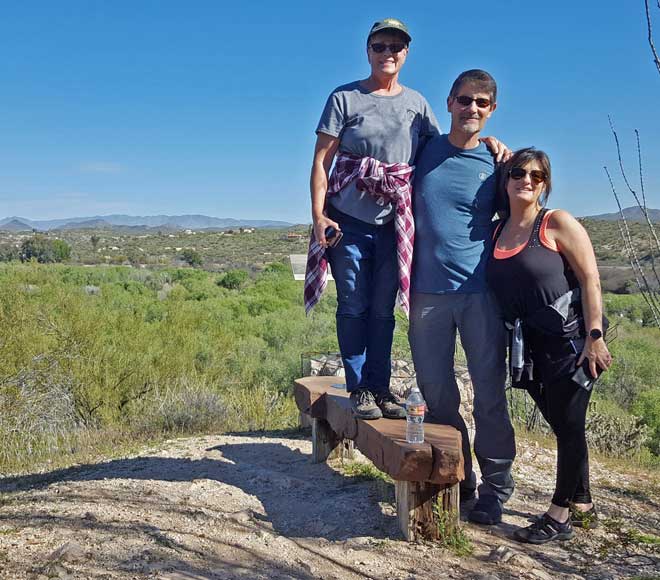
[255, 507]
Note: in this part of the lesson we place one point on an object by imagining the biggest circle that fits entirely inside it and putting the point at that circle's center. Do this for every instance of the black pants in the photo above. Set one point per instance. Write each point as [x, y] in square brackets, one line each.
[564, 404]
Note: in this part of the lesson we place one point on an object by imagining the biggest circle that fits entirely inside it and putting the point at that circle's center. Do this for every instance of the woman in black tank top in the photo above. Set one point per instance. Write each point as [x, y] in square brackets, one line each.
[543, 263]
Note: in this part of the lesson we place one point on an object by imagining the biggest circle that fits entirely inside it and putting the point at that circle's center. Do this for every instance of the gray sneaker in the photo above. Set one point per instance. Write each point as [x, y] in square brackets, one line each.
[391, 407]
[363, 404]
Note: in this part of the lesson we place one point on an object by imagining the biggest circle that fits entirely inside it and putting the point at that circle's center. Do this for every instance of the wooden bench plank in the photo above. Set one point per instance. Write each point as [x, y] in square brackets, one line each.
[438, 460]
[338, 413]
[383, 441]
[309, 394]
[446, 445]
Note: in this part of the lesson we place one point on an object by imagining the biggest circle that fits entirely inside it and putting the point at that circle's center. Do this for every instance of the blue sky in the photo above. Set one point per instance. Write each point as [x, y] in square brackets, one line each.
[150, 107]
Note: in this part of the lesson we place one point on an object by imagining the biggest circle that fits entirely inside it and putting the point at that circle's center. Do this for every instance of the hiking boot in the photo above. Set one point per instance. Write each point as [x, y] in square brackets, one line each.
[545, 529]
[363, 405]
[391, 407]
[487, 510]
[587, 520]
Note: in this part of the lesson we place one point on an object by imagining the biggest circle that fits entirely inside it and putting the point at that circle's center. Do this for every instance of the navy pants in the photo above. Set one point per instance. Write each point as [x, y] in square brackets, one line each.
[434, 321]
[364, 266]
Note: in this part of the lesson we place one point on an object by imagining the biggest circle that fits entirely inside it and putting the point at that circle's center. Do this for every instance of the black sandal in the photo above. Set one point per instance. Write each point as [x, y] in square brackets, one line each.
[587, 520]
[545, 529]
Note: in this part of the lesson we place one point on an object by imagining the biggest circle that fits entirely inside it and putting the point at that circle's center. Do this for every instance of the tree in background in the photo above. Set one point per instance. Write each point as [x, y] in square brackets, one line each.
[44, 250]
[191, 257]
[94, 239]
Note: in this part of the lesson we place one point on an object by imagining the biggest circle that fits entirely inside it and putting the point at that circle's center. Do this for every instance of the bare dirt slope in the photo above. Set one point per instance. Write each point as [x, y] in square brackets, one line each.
[253, 506]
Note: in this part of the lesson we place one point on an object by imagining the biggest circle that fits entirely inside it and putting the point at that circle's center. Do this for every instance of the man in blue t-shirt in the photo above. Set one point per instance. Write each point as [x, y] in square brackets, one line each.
[454, 203]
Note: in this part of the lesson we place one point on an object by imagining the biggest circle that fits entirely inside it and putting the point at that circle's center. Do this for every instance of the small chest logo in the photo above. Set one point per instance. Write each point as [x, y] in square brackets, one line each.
[483, 176]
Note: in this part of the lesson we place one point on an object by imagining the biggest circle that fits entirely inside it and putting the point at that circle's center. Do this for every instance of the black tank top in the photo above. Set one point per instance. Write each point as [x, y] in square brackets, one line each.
[531, 278]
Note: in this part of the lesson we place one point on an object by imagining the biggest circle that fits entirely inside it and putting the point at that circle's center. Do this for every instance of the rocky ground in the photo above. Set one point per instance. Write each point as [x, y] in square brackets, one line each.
[253, 506]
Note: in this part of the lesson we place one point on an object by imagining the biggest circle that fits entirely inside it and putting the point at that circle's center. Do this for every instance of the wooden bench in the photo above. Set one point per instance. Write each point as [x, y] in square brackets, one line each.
[423, 473]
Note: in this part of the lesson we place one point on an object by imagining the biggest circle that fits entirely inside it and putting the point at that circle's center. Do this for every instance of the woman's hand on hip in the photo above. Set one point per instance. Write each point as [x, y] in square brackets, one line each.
[321, 224]
[598, 354]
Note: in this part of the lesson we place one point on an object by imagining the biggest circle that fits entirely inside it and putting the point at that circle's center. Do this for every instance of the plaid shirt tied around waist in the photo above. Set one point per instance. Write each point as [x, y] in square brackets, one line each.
[387, 183]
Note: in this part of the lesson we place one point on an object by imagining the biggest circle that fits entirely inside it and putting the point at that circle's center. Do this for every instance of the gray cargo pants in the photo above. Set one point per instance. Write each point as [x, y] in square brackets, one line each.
[434, 320]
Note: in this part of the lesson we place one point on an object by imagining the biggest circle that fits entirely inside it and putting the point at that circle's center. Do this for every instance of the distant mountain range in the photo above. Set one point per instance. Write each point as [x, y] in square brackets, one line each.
[633, 214]
[201, 222]
[174, 222]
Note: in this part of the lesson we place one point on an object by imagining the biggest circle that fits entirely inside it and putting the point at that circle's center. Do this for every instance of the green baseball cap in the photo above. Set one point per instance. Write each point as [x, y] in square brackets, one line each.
[389, 24]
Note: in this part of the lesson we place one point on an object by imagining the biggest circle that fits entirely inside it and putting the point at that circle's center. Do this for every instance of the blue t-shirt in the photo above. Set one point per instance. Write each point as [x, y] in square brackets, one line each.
[453, 203]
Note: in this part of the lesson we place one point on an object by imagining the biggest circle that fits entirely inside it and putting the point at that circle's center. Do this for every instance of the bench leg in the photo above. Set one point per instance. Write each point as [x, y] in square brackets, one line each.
[327, 445]
[304, 420]
[344, 451]
[449, 499]
[414, 506]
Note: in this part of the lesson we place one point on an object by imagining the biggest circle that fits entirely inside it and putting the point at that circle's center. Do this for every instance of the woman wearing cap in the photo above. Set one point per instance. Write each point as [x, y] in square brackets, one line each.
[362, 219]
[544, 275]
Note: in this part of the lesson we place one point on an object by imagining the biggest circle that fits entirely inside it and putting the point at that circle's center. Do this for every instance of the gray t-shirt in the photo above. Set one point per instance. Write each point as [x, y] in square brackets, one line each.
[388, 128]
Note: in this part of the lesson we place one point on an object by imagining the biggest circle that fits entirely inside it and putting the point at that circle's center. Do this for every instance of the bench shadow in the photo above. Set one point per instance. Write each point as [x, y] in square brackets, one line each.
[299, 499]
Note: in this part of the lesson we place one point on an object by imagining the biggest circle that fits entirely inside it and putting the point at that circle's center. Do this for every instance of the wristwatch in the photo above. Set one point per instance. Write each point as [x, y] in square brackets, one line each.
[596, 333]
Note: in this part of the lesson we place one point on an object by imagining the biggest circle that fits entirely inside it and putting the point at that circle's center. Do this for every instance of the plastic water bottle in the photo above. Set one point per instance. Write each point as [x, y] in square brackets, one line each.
[415, 409]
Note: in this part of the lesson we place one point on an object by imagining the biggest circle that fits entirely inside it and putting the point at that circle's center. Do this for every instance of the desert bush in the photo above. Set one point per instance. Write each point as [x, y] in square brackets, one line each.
[647, 407]
[191, 257]
[44, 250]
[233, 280]
[184, 407]
[631, 307]
[610, 429]
[9, 253]
[150, 344]
[613, 432]
[37, 412]
[134, 356]
[636, 364]
[259, 408]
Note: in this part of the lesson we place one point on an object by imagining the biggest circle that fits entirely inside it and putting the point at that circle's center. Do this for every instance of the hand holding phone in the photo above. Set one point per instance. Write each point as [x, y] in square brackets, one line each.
[583, 377]
[332, 236]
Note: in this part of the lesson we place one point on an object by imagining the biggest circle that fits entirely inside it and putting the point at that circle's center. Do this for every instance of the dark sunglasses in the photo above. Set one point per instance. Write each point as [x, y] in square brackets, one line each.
[535, 175]
[466, 101]
[382, 47]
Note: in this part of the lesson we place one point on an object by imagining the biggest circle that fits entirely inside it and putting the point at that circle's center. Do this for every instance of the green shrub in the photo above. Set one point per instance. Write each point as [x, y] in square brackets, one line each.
[647, 406]
[136, 359]
[233, 280]
[183, 408]
[44, 249]
[191, 257]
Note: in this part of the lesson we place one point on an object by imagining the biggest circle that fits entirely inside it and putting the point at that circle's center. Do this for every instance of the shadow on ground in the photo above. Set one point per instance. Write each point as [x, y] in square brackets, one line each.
[299, 499]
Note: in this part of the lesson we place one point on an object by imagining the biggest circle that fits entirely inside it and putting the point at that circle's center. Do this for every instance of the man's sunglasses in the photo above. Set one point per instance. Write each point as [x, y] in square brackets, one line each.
[382, 47]
[535, 175]
[466, 101]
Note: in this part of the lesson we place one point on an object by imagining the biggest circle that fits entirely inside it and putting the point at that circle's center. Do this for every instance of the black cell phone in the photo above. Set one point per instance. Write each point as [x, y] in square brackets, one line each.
[332, 236]
[583, 377]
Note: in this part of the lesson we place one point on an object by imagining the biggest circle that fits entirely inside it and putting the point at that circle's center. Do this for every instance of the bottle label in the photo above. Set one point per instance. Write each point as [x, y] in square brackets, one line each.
[415, 410]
